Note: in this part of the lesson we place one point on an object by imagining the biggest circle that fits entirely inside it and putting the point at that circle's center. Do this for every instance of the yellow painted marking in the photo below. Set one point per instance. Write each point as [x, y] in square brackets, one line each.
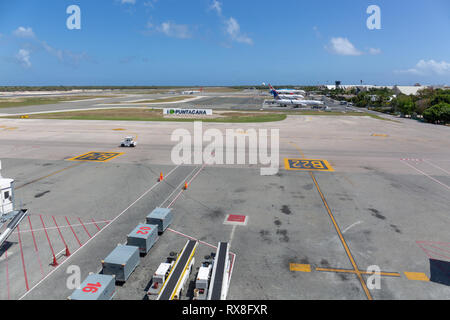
[298, 148]
[341, 237]
[416, 276]
[119, 129]
[338, 230]
[387, 274]
[379, 135]
[300, 267]
[307, 165]
[96, 156]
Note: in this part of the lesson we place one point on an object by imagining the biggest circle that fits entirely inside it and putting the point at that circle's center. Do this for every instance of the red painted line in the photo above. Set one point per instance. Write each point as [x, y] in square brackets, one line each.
[59, 231]
[45, 229]
[7, 274]
[434, 242]
[445, 250]
[23, 260]
[84, 228]
[78, 240]
[36, 248]
[192, 238]
[92, 219]
[427, 251]
[109, 223]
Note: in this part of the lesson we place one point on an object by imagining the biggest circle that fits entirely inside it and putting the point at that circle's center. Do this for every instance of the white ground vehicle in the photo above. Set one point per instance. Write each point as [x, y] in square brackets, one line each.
[160, 276]
[128, 142]
[202, 282]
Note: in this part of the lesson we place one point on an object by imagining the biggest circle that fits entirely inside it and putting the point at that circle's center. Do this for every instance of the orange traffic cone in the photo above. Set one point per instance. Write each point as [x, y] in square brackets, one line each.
[67, 252]
[185, 186]
[161, 177]
[54, 263]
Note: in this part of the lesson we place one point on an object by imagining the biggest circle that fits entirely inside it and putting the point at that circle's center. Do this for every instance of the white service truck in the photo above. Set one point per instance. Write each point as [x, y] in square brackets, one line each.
[128, 142]
[159, 277]
[202, 281]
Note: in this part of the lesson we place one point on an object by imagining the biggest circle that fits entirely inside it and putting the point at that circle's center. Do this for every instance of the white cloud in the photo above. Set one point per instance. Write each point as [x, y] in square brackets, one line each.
[216, 6]
[35, 44]
[128, 1]
[233, 29]
[172, 29]
[342, 46]
[150, 3]
[374, 51]
[23, 32]
[429, 67]
[317, 32]
[23, 57]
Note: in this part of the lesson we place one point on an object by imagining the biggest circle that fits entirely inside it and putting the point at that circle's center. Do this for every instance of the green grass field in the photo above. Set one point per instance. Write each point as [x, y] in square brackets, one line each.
[131, 114]
[171, 99]
[220, 116]
[34, 101]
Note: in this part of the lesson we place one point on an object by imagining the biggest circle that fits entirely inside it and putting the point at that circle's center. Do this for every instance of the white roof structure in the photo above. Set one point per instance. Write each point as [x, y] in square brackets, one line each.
[351, 86]
[409, 90]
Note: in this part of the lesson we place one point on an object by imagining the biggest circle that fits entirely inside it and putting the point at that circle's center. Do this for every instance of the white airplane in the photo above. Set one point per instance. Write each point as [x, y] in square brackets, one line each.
[289, 91]
[288, 94]
[192, 92]
[293, 102]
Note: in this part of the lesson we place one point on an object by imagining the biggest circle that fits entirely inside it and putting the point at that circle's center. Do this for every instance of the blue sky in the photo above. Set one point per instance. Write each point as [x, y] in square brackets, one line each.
[223, 42]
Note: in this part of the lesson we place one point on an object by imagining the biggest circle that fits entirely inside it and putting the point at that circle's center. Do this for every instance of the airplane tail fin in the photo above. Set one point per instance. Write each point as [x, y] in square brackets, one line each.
[274, 92]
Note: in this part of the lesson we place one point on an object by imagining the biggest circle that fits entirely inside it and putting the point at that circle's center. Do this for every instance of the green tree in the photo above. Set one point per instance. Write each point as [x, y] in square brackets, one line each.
[439, 113]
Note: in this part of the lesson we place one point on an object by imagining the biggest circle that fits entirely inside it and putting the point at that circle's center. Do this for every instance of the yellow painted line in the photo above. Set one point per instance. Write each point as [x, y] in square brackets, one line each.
[338, 230]
[335, 270]
[300, 267]
[380, 135]
[416, 276]
[94, 156]
[382, 273]
[307, 165]
[298, 148]
[119, 129]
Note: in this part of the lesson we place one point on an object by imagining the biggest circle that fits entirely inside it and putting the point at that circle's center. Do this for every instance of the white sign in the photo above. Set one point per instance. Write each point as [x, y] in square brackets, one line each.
[188, 112]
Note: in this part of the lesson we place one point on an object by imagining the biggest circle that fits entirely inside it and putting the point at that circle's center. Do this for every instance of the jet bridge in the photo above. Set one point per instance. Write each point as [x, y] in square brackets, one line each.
[218, 287]
[7, 212]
